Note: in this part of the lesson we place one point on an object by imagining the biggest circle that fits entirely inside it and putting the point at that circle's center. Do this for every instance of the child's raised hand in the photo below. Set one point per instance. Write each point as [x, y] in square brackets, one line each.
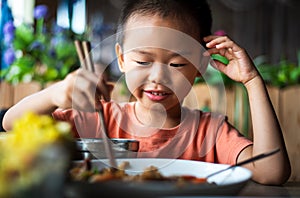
[240, 67]
[81, 90]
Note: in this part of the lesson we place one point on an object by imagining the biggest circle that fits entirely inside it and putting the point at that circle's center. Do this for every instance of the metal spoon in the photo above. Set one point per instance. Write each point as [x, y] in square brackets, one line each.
[252, 159]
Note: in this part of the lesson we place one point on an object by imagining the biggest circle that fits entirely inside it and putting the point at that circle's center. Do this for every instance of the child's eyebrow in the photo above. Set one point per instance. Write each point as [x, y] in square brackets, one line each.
[171, 54]
[140, 51]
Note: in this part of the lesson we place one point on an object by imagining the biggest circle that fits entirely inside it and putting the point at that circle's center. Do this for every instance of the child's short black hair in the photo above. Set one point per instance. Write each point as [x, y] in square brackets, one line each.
[195, 14]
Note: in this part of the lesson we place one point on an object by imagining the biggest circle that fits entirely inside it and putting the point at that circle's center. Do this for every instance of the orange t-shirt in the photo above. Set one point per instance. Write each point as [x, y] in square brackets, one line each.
[200, 136]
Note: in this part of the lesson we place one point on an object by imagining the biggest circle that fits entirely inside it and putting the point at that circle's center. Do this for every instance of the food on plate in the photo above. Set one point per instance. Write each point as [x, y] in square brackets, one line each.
[84, 172]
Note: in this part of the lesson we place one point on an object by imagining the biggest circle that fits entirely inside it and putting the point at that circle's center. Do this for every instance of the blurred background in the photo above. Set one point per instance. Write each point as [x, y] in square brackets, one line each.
[268, 28]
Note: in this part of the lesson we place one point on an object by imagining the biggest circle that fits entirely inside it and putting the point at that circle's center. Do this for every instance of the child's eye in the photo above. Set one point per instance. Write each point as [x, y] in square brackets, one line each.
[177, 65]
[143, 63]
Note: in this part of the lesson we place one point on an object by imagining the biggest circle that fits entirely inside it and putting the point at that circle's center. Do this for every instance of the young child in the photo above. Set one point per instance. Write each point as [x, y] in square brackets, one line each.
[159, 50]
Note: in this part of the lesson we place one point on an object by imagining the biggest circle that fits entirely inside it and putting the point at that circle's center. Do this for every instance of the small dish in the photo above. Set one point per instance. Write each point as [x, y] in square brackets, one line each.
[93, 148]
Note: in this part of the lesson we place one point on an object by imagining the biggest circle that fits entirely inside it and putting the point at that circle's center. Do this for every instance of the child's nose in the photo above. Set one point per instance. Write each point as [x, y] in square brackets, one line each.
[159, 73]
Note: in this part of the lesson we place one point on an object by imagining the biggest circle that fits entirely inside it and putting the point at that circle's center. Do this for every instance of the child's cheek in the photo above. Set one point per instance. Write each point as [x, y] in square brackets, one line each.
[181, 84]
[135, 77]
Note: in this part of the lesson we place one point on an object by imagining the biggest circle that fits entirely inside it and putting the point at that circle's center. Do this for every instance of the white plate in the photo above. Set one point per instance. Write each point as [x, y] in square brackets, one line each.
[227, 183]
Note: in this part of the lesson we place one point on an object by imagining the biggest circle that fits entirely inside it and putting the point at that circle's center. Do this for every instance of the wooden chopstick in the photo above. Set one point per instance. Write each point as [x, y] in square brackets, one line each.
[107, 145]
[83, 50]
[80, 53]
[87, 53]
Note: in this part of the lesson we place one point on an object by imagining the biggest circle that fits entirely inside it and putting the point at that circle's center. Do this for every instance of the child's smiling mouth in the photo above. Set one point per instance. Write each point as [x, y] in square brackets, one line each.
[156, 95]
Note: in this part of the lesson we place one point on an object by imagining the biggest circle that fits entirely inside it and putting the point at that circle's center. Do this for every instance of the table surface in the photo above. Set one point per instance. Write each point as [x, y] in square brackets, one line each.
[252, 189]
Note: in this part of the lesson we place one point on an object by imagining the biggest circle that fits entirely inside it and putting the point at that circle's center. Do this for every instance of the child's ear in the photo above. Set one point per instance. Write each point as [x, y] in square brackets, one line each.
[120, 57]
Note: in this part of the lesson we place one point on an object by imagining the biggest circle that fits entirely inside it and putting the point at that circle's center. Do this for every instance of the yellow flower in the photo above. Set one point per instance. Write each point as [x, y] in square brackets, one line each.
[20, 149]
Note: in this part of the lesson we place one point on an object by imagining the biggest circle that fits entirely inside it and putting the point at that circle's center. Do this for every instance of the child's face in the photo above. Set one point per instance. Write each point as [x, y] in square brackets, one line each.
[159, 60]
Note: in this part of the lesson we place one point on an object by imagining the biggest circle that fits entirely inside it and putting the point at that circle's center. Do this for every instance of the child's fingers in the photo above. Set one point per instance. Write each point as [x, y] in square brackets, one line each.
[230, 46]
[217, 65]
[223, 42]
[220, 42]
[222, 52]
[88, 90]
[225, 45]
[211, 51]
[81, 101]
[83, 97]
[108, 88]
[97, 87]
[215, 40]
[104, 90]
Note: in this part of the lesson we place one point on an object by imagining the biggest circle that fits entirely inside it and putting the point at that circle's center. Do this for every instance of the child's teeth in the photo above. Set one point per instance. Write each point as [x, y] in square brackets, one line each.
[157, 94]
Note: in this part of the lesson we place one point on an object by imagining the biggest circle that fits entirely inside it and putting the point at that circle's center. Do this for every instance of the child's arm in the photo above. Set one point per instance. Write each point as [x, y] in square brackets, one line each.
[267, 134]
[77, 90]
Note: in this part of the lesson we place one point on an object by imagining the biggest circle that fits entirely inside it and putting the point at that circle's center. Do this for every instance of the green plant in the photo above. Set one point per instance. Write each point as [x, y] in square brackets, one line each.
[38, 52]
[283, 74]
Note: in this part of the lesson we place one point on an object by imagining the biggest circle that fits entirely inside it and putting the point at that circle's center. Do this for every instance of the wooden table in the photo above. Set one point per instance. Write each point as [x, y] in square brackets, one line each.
[290, 189]
[252, 189]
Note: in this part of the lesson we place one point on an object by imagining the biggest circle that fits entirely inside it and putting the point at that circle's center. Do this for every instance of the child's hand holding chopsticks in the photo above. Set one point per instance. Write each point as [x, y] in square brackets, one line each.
[83, 88]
